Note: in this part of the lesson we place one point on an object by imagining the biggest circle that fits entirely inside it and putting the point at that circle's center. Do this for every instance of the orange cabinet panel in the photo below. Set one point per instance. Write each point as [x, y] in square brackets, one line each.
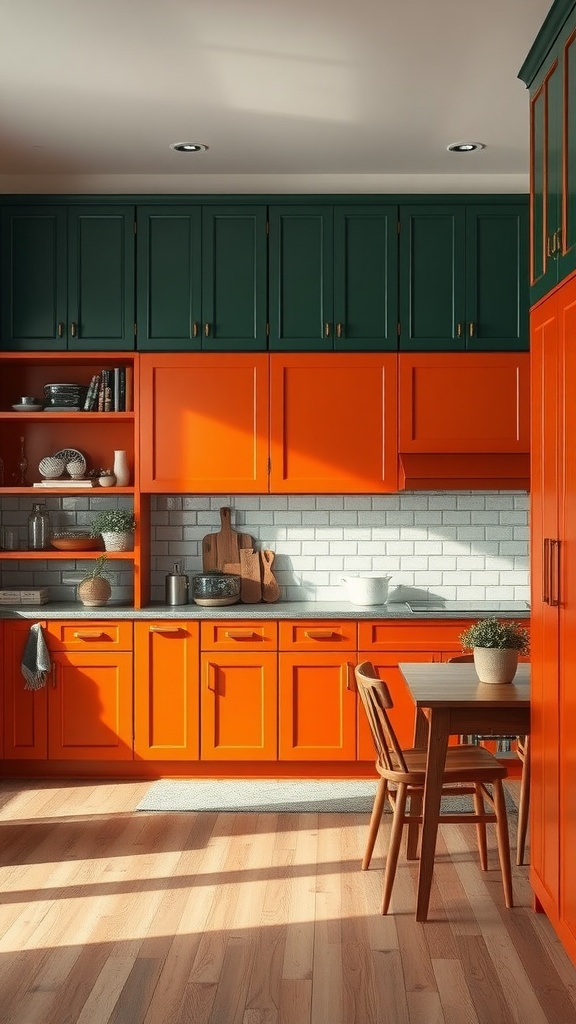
[403, 713]
[333, 426]
[90, 706]
[238, 635]
[89, 635]
[166, 690]
[317, 707]
[239, 706]
[204, 422]
[25, 711]
[464, 402]
[411, 635]
[317, 635]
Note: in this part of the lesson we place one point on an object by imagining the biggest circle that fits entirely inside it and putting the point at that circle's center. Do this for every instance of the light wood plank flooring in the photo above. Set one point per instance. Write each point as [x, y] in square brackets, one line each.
[108, 916]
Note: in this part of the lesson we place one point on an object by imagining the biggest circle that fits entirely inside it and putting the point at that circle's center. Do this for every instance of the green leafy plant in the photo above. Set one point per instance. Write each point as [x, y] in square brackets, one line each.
[97, 571]
[113, 520]
[498, 633]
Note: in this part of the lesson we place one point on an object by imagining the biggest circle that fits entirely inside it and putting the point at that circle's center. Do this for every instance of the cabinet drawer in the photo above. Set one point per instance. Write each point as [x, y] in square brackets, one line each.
[440, 635]
[317, 634]
[239, 635]
[89, 636]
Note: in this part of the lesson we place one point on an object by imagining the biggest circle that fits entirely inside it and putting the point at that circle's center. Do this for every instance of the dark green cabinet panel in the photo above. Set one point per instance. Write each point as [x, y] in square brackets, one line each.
[201, 278]
[333, 278]
[67, 278]
[463, 277]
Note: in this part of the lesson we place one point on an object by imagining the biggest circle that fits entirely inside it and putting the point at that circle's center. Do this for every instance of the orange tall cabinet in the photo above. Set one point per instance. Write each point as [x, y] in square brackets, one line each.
[553, 628]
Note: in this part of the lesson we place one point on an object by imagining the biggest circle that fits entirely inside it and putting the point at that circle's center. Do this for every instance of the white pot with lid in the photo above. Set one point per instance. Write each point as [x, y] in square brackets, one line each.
[367, 588]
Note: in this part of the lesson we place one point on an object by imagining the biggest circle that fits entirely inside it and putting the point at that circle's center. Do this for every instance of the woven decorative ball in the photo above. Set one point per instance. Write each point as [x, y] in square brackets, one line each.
[50, 467]
[94, 592]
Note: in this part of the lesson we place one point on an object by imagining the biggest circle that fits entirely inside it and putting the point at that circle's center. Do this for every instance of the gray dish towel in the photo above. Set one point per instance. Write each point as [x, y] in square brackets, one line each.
[36, 664]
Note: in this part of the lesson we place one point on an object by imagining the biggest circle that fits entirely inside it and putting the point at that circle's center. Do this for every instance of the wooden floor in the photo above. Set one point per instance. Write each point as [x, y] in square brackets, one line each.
[114, 917]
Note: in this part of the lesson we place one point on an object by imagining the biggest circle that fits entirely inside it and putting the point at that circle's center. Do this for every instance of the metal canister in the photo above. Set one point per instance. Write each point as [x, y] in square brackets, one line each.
[176, 586]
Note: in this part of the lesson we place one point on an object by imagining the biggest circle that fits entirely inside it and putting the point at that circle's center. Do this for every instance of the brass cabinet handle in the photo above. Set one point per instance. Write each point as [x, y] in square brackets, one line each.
[210, 673]
[347, 668]
[320, 634]
[339, 330]
[84, 635]
[327, 330]
[458, 330]
[555, 573]
[61, 328]
[74, 329]
[546, 571]
[239, 634]
[194, 329]
[558, 240]
[164, 629]
[206, 330]
[471, 329]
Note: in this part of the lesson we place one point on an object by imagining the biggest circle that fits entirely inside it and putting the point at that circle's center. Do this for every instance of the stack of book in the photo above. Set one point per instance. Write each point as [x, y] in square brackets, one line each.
[110, 391]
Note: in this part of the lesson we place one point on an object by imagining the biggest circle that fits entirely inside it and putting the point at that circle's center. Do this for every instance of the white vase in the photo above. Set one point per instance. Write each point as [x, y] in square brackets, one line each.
[495, 664]
[116, 541]
[121, 470]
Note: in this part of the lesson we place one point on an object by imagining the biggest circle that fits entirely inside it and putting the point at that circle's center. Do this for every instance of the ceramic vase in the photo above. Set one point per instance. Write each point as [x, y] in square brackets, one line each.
[116, 541]
[121, 470]
[495, 664]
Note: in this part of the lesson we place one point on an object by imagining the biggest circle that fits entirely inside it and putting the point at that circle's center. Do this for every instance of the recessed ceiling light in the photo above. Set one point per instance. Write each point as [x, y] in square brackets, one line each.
[188, 147]
[464, 147]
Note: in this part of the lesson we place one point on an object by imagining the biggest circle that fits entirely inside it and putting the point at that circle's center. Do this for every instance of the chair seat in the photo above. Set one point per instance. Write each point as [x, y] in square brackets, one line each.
[464, 763]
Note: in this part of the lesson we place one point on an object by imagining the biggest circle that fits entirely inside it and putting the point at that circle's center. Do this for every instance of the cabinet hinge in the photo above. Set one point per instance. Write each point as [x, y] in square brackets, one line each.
[398, 329]
[135, 330]
[267, 328]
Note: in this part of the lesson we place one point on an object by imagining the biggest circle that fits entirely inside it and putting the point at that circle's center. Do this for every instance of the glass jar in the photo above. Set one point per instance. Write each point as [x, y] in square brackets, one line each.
[39, 527]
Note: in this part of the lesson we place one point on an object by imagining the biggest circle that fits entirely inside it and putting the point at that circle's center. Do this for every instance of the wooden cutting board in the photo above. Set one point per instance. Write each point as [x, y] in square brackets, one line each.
[251, 586]
[270, 588]
[224, 545]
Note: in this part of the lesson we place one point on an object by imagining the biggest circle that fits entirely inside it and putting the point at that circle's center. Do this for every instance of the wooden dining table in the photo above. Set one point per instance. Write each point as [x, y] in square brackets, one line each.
[450, 701]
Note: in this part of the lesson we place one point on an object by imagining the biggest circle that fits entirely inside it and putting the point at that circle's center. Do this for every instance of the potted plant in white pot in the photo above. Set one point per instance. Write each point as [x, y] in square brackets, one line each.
[95, 589]
[496, 645]
[116, 527]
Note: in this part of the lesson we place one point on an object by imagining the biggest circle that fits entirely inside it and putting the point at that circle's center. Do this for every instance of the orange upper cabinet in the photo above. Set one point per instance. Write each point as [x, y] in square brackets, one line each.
[333, 423]
[204, 422]
[468, 404]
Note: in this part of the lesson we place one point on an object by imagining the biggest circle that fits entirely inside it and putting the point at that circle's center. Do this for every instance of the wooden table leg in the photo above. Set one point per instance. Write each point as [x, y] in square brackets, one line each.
[420, 741]
[438, 731]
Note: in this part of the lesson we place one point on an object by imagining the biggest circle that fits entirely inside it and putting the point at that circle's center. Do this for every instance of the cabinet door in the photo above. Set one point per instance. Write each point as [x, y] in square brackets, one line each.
[546, 179]
[465, 402]
[432, 278]
[234, 277]
[546, 486]
[567, 247]
[301, 278]
[90, 707]
[317, 713]
[403, 713]
[497, 277]
[333, 423]
[25, 711]
[169, 279]
[365, 278]
[101, 278]
[204, 423]
[34, 278]
[166, 691]
[238, 706]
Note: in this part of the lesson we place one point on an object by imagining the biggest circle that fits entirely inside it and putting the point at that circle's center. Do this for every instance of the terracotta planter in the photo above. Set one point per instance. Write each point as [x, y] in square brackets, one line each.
[495, 664]
[94, 592]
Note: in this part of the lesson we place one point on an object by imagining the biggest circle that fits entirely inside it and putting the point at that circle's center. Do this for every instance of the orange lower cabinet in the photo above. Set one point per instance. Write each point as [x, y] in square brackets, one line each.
[90, 706]
[402, 714]
[239, 706]
[25, 711]
[166, 690]
[317, 707]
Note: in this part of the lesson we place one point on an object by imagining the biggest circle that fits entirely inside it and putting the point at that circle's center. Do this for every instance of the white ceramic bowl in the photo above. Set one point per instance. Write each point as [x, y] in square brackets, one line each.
[107, 481]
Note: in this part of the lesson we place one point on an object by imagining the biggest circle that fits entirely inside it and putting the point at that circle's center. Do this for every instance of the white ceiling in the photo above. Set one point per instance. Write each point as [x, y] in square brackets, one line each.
[289, 95]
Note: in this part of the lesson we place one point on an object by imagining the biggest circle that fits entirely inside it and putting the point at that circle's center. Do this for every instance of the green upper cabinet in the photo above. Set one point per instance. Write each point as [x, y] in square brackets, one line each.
[464, 277]
[550, 73]
[201, 278]
[68, 277]
[333, 278]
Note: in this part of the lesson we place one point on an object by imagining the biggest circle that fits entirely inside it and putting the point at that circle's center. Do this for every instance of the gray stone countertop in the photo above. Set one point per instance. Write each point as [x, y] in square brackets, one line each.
[277, 610]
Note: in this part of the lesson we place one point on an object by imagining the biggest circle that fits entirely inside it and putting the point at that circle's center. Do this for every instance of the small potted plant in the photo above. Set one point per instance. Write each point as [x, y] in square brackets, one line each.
[496, 645]
[95, 589]
[116, 527]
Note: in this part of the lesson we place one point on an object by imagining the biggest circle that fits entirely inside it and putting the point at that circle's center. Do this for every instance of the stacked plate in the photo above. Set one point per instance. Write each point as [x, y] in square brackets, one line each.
[65, 396]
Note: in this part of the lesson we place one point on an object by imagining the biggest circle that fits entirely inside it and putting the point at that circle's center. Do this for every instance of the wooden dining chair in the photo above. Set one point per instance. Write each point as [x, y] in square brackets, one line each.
[469, 770]
[523, 754]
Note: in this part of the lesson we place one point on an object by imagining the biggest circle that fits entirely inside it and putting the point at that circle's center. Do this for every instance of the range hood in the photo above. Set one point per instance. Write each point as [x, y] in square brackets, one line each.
[419, 471]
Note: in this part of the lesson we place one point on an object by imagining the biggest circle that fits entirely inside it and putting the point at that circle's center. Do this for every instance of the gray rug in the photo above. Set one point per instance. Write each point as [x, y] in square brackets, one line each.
[270, 796]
